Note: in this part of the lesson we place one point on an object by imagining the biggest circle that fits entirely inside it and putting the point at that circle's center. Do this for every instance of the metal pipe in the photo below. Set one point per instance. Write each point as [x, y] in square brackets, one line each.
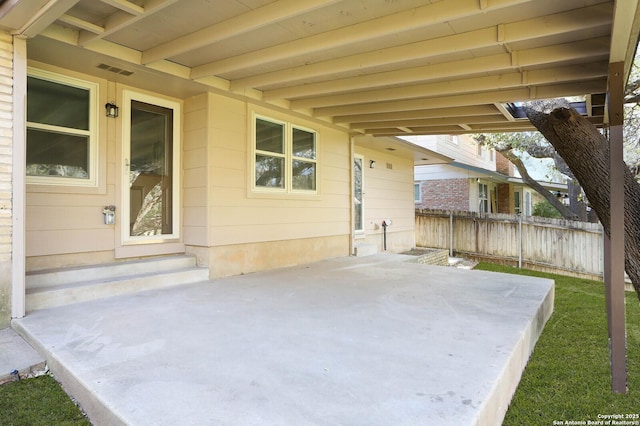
[384, 235]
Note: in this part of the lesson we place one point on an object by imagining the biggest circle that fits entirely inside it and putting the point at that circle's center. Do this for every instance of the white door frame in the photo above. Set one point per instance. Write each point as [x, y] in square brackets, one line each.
[128, 96]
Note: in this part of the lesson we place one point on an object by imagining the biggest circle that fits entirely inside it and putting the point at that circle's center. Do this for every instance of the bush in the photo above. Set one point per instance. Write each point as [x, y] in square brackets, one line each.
[545, 209]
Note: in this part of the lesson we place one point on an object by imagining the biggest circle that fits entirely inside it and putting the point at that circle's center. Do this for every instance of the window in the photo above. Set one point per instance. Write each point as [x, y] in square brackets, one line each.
[417, 193]
[285, 157]
[483, 197]
[61, 130]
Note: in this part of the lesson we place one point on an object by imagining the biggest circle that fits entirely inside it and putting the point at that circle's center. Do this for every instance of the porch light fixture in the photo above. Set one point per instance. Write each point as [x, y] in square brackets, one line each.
[111, 109]
[372, 164]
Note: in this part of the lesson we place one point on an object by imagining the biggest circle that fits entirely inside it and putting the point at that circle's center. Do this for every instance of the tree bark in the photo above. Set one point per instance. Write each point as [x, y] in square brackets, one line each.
[552, 199]
[577, 207]
[586, 152]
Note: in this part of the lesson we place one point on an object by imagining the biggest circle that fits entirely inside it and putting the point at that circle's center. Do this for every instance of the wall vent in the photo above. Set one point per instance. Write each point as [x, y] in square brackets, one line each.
[115, 70]
[389, 166]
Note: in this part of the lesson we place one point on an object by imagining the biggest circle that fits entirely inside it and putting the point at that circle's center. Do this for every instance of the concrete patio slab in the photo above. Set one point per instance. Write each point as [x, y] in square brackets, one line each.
[350, 341]
[18, 359]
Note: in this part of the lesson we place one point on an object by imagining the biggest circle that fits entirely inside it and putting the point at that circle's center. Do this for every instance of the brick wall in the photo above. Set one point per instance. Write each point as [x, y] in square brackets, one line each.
[445, 194]
[6, 162]
[504, 198]
[503, 165]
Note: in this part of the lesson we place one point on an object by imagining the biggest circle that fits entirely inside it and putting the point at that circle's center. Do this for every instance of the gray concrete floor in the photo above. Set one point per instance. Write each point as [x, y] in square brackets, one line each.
[351, 341]
[18, 360]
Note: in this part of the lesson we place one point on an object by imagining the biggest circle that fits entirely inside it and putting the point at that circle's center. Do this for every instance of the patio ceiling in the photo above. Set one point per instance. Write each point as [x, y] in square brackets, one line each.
[377, 67]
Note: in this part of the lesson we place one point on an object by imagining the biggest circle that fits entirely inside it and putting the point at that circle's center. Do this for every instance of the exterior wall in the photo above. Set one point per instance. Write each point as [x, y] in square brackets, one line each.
[195, 202]
[236, 259]
[6, 161]
[64, 225]
[388, 194]
[503, 165]
[445, 194]
[235, 230]
[505, 198]
[462, 149]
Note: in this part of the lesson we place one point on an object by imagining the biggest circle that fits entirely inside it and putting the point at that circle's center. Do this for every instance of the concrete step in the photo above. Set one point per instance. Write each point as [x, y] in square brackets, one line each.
[63, 287]
[55, 277]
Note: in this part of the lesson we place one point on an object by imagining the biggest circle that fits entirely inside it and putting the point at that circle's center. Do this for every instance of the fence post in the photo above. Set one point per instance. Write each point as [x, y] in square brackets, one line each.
[450, 234]
[520, 240]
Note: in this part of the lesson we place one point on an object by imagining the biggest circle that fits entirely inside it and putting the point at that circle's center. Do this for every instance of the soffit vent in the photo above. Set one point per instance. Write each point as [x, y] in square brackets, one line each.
[115, 70]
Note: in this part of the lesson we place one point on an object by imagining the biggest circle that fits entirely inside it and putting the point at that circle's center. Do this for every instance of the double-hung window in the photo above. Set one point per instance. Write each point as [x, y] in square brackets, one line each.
[483, 198]
[285, 157]
[61, 130]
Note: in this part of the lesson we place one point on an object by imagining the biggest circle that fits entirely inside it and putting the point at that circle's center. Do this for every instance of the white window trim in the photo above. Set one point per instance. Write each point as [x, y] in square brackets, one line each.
[92, 133]
[481, 200]
[419, 199]
[287, 156]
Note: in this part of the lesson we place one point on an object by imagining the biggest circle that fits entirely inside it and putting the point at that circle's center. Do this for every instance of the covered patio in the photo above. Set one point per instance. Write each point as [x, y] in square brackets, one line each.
[377, 340]
[373, 340]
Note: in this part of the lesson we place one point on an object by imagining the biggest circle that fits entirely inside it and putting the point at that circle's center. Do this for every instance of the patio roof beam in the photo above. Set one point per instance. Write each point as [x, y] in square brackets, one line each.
[576, 51]
[125, 6]
[45, 16]
[252, 20]
[122, 19]
[81, 24]
[522, 126]
[591, 18]
[462, 111]
[508, 95]
[456, 121]
[570, 73]
[412, 19]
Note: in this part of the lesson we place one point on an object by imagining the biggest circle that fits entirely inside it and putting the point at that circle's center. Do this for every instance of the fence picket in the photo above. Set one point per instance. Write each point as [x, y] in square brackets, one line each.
[552, 245]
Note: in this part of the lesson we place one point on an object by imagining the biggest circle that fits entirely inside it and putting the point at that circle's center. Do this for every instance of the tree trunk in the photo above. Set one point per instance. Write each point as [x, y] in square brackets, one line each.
[552, 199]
[577, 207]
[586, 151]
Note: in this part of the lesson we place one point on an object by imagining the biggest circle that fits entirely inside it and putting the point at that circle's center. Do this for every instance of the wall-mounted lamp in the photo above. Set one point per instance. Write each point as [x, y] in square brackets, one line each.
[372, 164]
[109, 213]
[111, 109]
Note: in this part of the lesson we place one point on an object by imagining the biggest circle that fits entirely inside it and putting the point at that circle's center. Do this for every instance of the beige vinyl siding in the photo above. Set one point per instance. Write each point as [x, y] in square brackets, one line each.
[240, 215]
[68, 220]
[6, 161]
[388, 194]
[234, 229]
[195, 162]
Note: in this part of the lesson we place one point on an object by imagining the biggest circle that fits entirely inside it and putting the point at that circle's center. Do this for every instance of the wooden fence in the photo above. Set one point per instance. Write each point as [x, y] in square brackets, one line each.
[551, 245]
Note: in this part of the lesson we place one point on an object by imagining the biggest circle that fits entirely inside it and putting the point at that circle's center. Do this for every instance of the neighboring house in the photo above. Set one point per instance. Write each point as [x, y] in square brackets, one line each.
[478, 180]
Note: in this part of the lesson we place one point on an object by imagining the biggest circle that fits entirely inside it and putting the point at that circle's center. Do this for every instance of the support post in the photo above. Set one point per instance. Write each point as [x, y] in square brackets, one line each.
[520, 240]
[19, 173]
[450, 234]
[614, 243]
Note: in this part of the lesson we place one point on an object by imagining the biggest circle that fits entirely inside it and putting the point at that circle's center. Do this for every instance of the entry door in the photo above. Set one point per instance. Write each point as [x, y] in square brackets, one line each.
[150, 168]
[358, 210]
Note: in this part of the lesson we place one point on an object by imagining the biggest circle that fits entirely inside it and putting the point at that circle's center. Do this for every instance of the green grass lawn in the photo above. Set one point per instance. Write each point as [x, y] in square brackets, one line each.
[38, 401]
[566, 379]
[568, 376]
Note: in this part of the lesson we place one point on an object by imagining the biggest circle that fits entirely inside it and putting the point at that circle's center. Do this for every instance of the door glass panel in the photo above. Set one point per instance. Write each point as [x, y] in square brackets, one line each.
[150, 171]
[357, 193]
